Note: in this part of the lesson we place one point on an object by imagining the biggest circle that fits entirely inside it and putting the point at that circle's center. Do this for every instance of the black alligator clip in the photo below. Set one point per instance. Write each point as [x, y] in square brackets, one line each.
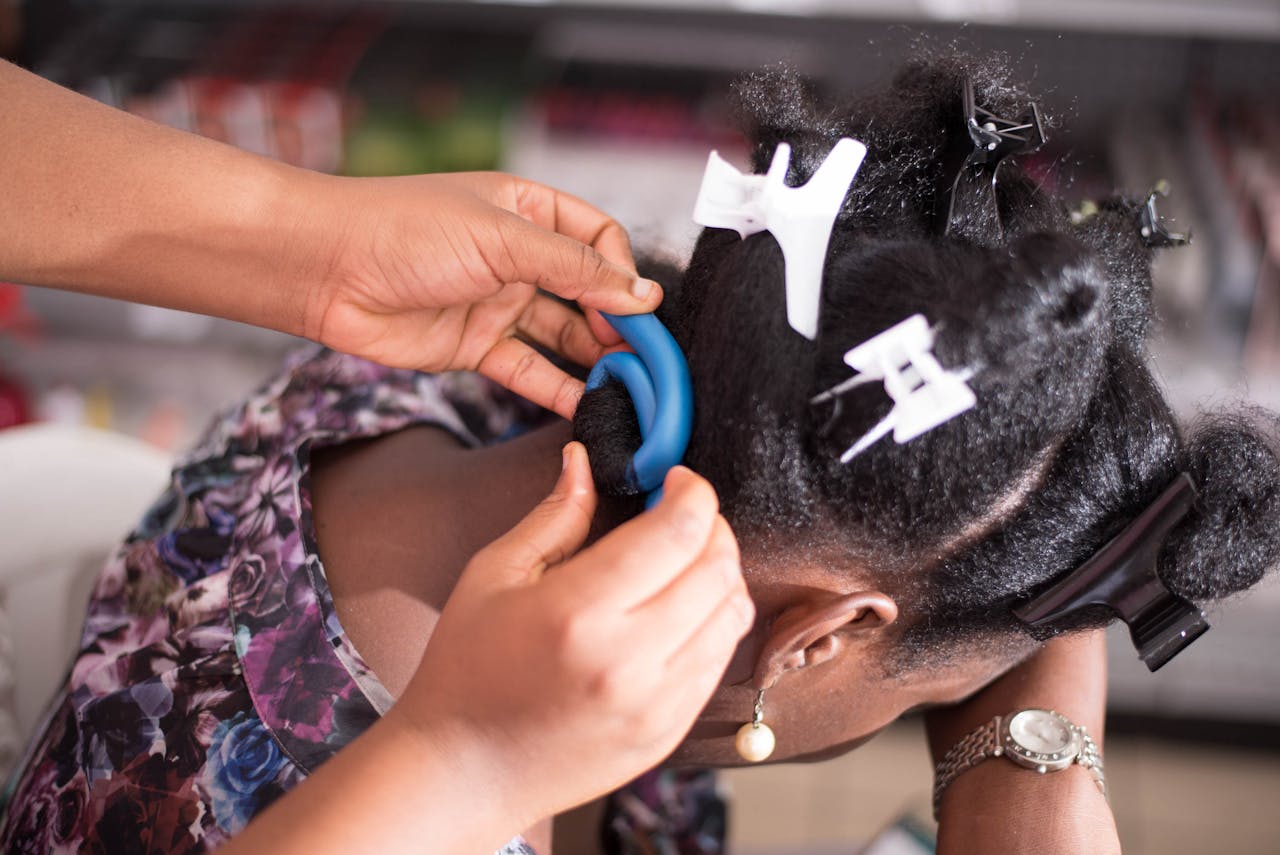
[973, 212]
[1122, 577]
[1151, 226]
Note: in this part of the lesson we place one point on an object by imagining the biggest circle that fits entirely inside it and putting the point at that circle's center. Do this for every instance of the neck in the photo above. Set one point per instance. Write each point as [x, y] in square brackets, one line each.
[397, 520]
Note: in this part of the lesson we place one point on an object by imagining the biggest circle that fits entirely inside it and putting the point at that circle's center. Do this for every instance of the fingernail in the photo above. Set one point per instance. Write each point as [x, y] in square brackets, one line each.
[564, 459]
[642, 288]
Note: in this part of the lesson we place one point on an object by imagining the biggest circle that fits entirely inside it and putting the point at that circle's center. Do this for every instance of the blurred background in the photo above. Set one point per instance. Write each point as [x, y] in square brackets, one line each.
[619, 101]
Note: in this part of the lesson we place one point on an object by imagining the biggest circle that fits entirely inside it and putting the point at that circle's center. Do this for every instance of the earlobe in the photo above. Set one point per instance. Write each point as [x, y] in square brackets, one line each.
[811, 632]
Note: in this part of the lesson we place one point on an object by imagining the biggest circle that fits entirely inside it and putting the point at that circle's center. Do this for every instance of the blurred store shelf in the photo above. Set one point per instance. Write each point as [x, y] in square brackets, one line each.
[1250, 19]
[150, 373]
[1245, 19]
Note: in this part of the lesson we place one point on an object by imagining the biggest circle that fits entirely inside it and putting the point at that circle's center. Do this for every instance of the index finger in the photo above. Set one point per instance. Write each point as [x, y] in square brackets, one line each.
[578, 219]
[632, 563]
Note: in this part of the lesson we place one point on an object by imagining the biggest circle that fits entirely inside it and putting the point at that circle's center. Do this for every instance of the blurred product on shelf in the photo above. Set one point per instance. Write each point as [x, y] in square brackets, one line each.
[15, 317]
[62, 404]
[1250, 156]
[14, 409]
[15, 406]
[631, 140]
[446, 127]
[633, 116]
[1213, 149]
[271, 83]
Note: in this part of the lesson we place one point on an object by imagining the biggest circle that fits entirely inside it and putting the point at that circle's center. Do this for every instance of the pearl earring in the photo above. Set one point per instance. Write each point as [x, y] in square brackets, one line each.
[755, 739]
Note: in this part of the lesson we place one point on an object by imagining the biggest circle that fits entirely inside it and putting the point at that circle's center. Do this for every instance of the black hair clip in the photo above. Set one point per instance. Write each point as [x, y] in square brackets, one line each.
[973, 211]
[1150, 225]
[1122, 576]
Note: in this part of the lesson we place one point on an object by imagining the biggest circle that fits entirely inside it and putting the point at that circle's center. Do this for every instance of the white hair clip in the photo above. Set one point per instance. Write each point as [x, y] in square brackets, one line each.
[924, 393]
[799, 218]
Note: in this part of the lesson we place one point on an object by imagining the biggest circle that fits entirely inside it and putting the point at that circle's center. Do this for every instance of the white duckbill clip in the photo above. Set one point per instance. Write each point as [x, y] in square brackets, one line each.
[924, 393]
[799, 218]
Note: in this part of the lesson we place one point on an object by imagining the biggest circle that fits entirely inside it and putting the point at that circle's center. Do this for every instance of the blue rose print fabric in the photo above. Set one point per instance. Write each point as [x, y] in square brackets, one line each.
[213, 675]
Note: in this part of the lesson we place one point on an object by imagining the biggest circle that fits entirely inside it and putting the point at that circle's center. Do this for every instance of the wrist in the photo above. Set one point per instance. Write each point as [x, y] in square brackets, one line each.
[997, 806]
[388, 791]
[250, 249]
[315, 217]
[457, 754]
[1002, 808]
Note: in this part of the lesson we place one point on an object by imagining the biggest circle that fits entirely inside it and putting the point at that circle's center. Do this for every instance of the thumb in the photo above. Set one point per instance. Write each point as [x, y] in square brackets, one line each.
[552, 531]
[575, 271]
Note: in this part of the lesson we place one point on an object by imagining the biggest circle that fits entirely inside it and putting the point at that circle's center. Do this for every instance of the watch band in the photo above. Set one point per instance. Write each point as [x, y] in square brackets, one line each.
[1091, 758]
[971, 750]
[986, 741]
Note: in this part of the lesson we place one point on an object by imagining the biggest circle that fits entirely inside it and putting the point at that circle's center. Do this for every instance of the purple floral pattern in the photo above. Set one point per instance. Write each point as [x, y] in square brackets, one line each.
[213, 675]
[666, 812]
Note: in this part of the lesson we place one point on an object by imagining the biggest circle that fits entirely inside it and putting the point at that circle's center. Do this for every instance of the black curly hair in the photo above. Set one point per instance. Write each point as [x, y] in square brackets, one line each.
[1071, 437]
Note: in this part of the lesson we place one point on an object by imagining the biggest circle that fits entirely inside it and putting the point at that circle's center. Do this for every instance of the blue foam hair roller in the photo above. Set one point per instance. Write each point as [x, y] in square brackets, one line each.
[657, 379]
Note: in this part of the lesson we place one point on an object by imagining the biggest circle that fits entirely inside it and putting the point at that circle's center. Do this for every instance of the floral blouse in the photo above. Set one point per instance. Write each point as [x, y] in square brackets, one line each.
[213, 674]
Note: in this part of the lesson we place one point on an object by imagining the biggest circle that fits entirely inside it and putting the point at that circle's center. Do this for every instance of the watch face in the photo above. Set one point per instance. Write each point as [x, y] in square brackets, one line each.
[1040, 732]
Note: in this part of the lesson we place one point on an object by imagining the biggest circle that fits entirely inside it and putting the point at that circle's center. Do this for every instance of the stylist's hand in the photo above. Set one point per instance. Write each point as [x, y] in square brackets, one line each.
[440, 272]
[559, 678]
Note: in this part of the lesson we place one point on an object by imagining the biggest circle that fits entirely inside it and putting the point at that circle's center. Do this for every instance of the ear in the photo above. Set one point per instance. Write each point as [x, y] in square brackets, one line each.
[811, 632]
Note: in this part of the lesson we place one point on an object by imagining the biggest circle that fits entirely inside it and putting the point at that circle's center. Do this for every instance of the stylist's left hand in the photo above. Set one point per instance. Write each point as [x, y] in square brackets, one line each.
[442, 272]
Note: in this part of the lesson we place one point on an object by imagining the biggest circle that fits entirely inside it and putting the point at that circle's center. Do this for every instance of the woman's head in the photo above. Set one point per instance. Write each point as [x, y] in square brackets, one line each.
[913, 555]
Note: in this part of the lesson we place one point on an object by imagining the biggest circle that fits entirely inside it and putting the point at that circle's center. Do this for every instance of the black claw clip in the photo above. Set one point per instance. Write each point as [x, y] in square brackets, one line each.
[1122, 577]
[1151, 226]
[973, 211]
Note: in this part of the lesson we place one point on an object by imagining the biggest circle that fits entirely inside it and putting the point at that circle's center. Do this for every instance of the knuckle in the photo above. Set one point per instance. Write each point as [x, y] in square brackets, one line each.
[567, 396]
[595, 267]
[643, 724]
[615, 236]
[612, 226]
[527, 555]
[575, 637]
[609, 687]
[686, 525]
[566, 504]
[548, 555]
[522, 367]
[696, 491]
[567, 335]
[503, 260]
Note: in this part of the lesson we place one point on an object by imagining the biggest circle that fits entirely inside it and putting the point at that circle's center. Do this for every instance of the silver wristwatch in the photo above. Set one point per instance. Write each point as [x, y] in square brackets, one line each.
[1040, 740]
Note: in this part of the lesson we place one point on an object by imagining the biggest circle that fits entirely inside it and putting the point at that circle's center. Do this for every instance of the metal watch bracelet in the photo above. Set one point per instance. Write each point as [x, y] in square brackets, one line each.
[985, 742]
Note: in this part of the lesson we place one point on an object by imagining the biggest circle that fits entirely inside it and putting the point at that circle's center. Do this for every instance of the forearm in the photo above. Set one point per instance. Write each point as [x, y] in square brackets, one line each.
[99, 201]
[997, 807]
[390, 791]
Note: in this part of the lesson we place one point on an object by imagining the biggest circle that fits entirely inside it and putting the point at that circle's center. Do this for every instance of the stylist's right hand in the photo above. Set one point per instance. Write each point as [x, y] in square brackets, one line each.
[558, 677]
